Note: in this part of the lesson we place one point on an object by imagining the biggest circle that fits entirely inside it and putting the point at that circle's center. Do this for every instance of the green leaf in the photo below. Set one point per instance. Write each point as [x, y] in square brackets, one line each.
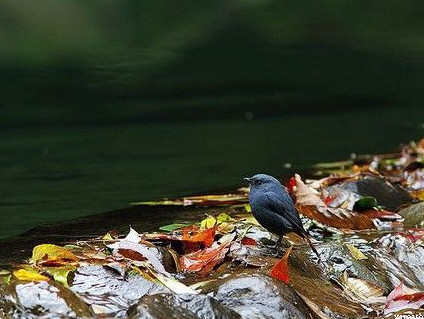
[223, 217]
[60, 274]
[6, 279]
[172, 227]
[208, 222]
[367, 202]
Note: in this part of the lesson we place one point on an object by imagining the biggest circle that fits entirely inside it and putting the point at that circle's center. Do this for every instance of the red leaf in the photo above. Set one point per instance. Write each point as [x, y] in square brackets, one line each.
[281, 269]
[412, 298]
[403, 298]
[413, 234]
[248, 241]
[328, 200]
[205, 260]
[291, 185]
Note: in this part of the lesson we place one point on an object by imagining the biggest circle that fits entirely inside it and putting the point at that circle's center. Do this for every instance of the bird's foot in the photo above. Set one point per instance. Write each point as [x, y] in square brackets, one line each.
[277, 248]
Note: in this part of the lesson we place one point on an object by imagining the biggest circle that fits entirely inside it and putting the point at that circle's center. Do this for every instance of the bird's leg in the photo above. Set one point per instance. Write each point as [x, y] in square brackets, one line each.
[313, 249]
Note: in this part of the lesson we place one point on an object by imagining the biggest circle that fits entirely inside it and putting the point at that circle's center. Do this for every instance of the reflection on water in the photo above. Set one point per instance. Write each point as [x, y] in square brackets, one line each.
[53, 173]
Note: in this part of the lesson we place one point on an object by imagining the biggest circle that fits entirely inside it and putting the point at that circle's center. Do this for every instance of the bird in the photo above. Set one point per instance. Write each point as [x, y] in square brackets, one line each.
[274, 209]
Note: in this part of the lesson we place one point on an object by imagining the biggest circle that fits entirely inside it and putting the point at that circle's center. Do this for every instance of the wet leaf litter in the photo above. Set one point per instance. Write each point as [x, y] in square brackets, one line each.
[365, 216]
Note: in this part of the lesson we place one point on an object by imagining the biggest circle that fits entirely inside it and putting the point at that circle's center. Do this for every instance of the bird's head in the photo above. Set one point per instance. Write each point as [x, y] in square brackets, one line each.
[262, 181]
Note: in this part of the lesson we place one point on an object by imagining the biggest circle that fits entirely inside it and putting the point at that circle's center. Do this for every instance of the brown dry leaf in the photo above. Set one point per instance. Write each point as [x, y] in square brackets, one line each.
[323, 295]
[309, 203]
[362, 290]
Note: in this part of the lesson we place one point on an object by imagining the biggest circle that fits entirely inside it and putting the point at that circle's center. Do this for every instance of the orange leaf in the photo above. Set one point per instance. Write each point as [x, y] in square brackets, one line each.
[205, 260]
[193, 240]
[281, 269]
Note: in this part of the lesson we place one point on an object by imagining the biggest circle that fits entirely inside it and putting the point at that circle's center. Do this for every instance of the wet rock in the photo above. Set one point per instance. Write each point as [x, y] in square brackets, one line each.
[110, 293]
[403, 260]
[338, 260]
[312, 281]
[413, 215]
[41, 300]
[323, 298]
[185, 306]
[258, 296]
[387, 195]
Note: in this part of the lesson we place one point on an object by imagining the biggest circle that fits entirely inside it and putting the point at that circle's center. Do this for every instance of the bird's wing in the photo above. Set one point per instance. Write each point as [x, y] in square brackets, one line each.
[285, 210]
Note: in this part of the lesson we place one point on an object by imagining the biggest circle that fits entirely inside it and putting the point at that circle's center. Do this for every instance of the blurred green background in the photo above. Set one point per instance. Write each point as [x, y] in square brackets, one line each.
[107, 102]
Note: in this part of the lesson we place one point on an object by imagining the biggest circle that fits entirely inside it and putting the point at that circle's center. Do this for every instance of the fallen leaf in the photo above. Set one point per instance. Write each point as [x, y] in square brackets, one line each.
[131, 254]
[174, 285]
[281, 268]
[355, 252]
[365, 203]
[177, 202]
[205, 260]
[140, 252]
[108, 236]
[201, 200]
[249, 241]
[309, 204]
[172, 227]
[191, 235]
[60, 274]
[403, 297]
[215, 200]
[208, 222]
[29, 275]
[48, 252]
[223, 217]
[362, 290]
[225, 227]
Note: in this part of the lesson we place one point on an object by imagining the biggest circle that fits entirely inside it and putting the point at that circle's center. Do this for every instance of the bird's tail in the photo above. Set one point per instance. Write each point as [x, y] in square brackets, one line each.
[313, 248]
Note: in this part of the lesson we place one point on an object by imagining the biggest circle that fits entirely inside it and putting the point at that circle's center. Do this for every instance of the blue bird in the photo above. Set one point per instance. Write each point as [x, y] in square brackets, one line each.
[273, 207]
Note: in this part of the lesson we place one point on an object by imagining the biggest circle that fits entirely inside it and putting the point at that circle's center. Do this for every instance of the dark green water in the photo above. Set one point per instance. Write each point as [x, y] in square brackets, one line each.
[52, 173]
[107, 102]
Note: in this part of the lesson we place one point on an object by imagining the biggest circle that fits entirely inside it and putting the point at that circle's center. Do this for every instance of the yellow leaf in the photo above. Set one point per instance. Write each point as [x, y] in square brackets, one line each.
[60, 274]
[208, 222]
[225, 227]
[29, 275]
[252, 220]
[248, 208]
[108, 236]
[223, 217]
[355, 252]
[419, 194]
[48, 251]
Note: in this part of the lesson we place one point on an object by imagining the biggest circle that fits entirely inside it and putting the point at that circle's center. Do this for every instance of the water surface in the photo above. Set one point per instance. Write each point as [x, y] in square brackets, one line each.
[59, 171]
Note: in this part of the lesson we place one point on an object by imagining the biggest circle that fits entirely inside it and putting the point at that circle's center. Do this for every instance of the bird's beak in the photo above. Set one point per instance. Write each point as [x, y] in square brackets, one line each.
[247, 180]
